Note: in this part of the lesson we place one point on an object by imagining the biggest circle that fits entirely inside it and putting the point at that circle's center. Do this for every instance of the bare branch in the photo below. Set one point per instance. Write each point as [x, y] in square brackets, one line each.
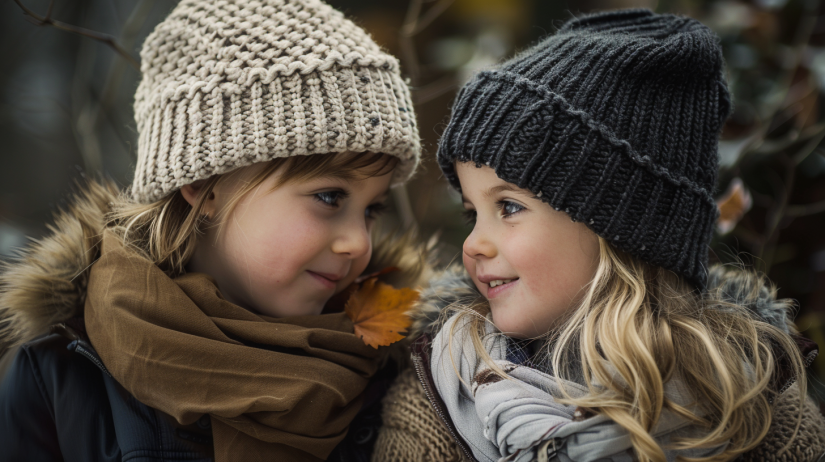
[108, 96]
[412, 18]
[408, 53]
[49, 10]
[94, 35]
[431, 15]
[414, 23]
[776, 215]
[804, 31]
[806, 209]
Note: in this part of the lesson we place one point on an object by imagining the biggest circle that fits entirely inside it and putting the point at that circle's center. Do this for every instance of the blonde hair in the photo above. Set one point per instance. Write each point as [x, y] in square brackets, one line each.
[166, 231]
[637, 327]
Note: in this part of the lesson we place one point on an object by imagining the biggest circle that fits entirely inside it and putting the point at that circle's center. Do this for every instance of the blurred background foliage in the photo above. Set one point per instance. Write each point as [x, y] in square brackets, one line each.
[69, 73]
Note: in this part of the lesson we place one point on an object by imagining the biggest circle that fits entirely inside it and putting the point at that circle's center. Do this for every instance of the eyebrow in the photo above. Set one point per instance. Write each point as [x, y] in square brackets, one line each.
[500, 188]
[495, 190]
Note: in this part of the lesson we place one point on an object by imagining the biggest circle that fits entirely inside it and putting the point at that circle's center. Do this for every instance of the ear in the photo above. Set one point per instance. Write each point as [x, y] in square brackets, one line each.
[192, 191]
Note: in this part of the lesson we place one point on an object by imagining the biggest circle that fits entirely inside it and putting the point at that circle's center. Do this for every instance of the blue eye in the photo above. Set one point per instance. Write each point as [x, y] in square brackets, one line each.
[330, 198]
[509, 208]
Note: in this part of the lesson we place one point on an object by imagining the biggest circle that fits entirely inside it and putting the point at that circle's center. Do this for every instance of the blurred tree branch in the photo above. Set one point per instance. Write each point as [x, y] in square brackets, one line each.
[414, 23]
[90, 109]
[48, 21]
[776, 112]
[790, 130]
[776, 214]
[806, 209]
[779, 210]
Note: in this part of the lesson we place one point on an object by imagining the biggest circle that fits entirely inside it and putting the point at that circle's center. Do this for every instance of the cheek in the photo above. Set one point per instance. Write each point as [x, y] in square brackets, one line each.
[558, 268]
[552, 275]
[269, 248]
[470, 266]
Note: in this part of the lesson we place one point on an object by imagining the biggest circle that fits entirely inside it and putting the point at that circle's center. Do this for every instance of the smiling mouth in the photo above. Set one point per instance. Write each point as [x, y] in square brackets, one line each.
[324, 280]
[498, 286]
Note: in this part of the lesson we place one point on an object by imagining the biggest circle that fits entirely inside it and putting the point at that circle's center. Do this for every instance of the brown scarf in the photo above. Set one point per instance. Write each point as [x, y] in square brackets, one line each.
[277, 389]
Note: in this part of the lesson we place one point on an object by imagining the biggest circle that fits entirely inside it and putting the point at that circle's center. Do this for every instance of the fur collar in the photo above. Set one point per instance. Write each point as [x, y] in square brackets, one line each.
[45, 283]
[730, 284]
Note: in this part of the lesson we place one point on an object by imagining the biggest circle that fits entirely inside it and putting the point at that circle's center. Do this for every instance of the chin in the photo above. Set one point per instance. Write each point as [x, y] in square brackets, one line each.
[507, 325]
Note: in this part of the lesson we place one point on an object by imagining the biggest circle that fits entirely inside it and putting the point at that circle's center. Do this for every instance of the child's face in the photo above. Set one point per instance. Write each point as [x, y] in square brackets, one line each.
[285, 252]
[547, 257]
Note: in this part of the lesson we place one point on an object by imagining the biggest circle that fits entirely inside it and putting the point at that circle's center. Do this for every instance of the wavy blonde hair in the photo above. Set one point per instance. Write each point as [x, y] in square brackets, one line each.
[648, 326]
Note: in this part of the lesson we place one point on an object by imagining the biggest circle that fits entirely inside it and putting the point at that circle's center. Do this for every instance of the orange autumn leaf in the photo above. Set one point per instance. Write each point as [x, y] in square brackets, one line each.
[733, 206]
[379, 312]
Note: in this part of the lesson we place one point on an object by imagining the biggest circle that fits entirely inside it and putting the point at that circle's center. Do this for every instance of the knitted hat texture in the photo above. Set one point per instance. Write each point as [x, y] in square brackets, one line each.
[229, 83]
[615, 120]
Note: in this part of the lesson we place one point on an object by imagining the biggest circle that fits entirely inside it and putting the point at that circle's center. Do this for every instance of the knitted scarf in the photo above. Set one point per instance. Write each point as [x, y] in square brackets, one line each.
[276, 389]
[520, 419]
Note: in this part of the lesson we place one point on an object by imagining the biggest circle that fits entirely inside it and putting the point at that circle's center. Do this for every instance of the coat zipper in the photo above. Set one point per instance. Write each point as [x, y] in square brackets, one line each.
[437, 406]
[74, 329]
[91, 357]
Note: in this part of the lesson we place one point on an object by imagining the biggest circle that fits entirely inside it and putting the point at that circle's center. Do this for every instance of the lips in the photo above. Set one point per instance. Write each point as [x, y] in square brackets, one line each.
[497, 285]
[328, 280]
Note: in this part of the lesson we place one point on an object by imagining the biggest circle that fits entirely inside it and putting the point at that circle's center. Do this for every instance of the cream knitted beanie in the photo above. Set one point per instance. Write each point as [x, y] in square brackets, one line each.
[228, 83]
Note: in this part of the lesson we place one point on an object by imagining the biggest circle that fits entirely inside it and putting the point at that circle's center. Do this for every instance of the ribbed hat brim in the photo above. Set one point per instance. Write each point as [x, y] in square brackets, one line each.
[194, 130]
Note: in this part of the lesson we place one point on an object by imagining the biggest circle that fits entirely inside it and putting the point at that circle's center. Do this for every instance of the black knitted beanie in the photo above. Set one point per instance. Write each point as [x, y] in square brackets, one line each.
[615, 120]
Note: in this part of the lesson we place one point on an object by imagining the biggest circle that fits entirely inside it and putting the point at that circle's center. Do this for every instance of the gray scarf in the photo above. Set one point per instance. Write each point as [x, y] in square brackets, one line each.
[520, 420]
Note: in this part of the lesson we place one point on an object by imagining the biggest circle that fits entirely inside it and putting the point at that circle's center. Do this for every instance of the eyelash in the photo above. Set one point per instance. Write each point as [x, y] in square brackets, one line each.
[324, 197]
[470, 215]
[372, 212]
[503, 205]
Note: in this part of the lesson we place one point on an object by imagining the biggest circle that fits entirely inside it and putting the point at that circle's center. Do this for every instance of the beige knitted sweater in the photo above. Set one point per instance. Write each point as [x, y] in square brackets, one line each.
[413, 432]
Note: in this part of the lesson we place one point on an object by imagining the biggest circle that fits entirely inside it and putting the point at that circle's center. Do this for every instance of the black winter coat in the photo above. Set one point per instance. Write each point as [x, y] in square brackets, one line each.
[59, 403]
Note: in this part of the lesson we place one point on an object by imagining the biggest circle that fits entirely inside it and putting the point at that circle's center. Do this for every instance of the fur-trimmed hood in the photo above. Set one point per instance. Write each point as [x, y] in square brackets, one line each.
[45, 283]
[453, 287]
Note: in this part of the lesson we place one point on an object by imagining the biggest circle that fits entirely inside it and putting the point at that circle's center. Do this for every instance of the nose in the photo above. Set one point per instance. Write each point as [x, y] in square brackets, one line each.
[353, 240]
[478, 244]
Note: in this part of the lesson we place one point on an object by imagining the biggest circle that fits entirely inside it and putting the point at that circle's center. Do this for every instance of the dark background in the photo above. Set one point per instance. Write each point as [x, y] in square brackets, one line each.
[66, 113]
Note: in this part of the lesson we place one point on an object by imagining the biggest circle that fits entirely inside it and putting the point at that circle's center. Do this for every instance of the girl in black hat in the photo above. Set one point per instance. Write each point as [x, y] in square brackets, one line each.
[586, 324]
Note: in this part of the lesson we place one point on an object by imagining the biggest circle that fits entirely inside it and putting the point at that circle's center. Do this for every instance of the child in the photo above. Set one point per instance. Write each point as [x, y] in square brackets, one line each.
[586, 326]
[186, 313]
